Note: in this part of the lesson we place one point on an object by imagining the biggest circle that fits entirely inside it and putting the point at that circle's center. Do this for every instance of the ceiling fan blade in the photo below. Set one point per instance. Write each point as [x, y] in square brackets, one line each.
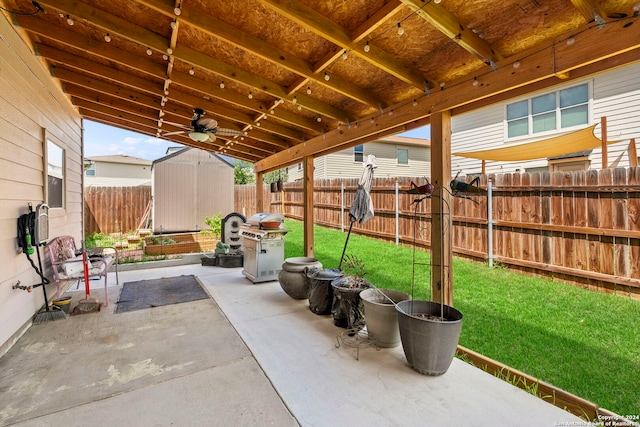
[207, 124]
[228, 132]
[212, 137]
[180, 125]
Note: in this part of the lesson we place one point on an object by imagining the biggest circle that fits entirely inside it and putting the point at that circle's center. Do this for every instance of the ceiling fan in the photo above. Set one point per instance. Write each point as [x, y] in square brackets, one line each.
[204, 129]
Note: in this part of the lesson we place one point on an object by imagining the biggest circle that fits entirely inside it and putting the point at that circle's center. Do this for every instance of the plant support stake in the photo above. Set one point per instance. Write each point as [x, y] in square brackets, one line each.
[490, 223]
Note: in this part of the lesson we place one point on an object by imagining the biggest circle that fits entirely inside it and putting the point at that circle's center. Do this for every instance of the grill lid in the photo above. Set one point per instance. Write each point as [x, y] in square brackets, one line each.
[256, 219]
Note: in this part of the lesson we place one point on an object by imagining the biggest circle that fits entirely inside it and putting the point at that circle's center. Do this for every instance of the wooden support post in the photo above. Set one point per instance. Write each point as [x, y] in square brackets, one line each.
[259, 192]
[603, 137]
[308, 206]
[484, 167]
[441, 209]
[633, 153]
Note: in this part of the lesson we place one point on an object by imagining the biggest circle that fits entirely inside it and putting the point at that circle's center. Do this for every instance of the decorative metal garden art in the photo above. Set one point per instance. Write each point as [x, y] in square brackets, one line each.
[430, 330]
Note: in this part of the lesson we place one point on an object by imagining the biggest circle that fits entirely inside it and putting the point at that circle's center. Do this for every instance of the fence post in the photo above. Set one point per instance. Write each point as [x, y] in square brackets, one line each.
[490, 223]
[342, 205]
[397, 214]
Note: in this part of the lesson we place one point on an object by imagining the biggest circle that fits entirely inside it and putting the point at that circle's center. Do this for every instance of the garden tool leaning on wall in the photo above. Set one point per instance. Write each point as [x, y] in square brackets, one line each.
[31, 235]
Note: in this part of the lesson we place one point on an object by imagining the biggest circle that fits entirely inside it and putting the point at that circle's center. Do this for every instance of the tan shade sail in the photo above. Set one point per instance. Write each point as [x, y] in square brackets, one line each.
[581, 140]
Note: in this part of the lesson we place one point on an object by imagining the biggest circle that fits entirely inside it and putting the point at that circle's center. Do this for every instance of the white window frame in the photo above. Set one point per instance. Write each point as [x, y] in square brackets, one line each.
[558, 110]
[55, 169]
[358, 150]
[405, 149]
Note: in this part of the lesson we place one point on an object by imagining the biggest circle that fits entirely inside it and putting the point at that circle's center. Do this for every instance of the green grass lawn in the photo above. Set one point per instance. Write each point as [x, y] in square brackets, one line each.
[585, 342]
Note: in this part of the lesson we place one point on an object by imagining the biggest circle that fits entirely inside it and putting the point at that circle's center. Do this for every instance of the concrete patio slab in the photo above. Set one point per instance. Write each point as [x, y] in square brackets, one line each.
[250, 356]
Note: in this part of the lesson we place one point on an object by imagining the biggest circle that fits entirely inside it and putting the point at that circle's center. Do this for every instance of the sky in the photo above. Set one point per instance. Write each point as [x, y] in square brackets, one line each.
[103, 140]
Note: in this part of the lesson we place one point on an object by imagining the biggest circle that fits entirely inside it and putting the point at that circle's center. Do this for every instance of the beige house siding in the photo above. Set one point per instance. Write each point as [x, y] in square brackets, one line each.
[614, 94]
[122, 169]
[189, 186]
[33, 109]
[342, 164]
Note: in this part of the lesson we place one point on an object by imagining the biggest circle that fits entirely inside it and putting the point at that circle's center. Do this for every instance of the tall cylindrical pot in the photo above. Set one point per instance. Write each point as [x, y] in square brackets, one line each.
[347, 308]
[381, 316]
[293, 278]
[321, 292]
[429, 343]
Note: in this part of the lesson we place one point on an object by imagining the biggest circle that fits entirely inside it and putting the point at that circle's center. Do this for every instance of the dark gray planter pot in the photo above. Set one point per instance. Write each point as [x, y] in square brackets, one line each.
[429, 345]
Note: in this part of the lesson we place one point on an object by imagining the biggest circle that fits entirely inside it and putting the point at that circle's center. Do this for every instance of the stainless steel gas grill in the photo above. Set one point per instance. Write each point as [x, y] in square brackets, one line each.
[263, 241]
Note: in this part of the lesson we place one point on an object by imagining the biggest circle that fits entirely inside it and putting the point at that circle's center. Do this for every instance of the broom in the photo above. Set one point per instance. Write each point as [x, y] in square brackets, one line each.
[88, 304]
[48, 314]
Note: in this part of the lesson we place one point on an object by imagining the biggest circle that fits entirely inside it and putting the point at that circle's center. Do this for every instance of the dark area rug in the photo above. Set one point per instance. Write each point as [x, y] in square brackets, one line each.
[157, 292]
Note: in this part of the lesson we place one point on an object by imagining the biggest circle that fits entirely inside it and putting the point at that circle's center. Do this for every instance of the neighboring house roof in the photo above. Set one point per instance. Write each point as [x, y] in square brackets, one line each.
[120, 158]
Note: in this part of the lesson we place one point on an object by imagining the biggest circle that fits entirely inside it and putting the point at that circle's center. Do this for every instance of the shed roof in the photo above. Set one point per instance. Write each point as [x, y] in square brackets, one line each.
[120, 158]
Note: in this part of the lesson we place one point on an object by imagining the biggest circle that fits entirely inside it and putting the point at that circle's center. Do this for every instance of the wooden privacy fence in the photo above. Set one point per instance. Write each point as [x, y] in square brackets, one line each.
[582, 227]
[115, 209]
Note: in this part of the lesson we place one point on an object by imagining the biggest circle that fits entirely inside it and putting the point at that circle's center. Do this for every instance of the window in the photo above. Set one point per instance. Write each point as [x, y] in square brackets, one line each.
[55, 175]
[299, 166]
[402, 156]
[549, 112]
[358, 153]
[90, 170]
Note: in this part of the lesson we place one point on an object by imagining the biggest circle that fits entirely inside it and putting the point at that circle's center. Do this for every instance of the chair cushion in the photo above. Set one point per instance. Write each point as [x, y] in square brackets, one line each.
[74, 267]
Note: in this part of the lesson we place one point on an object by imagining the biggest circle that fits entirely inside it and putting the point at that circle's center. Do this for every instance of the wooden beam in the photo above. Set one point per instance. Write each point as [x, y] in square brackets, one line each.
[125, 29]
[588, 9]
[329, 30]
[259, 192]
[536, 65]
[309, 219]
[447, 24]
[441, 210]
[261, 49]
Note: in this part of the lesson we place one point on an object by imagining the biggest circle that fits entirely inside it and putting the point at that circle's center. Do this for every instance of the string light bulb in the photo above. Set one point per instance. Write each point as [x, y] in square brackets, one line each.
[107, 38]
[149, 51]
[475, 81]
[173, 24]
[169, 51]
[192, 71]
[308, 90]
[516, 64]
[319, 119]
[326, 76]
[400, 29]
[250, 95]
[570, 41]
[295, 99]
[415, 102]
[69, 20]
[222, 84]
[367, 48]
[345, 55]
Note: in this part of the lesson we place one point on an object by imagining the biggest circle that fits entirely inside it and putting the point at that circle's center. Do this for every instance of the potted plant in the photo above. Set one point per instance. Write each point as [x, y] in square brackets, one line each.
[430, 330]
[347, 307]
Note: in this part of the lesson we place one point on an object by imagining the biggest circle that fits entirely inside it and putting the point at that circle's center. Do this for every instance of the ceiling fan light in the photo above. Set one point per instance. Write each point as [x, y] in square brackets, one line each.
[199, 136]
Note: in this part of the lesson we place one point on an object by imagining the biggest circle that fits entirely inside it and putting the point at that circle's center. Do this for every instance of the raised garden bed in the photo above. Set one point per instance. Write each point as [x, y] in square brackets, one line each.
[179, 243]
